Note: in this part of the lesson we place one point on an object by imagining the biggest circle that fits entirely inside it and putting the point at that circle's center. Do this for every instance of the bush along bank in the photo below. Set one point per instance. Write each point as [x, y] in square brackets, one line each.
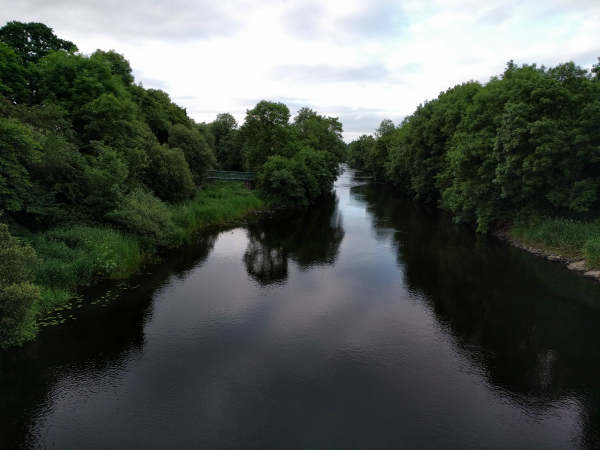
[521, 152]
[567, 241]
[38, 275]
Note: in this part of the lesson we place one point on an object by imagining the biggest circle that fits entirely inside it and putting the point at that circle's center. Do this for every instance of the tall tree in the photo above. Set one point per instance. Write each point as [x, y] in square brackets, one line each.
[13, 76]
[358, 151]
[320, 133]
[266, 128]
[197, 152]
[386, 128]
[118, 65]
[228, 146]
[596, 70]
[33, 40]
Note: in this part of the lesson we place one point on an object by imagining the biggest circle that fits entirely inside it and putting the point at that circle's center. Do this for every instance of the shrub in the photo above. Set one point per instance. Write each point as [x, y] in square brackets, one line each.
[279, 181]
[168, 174]
[144, 215]
[17, 293]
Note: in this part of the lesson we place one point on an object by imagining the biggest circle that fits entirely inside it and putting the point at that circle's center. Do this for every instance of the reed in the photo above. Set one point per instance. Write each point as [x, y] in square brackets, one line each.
[73, 257]
[575, 239]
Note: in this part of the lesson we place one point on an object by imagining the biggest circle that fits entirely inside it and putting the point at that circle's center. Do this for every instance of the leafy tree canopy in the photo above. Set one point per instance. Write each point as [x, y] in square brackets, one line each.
[266, 128]
[33, 40]
[386, 128]
[13, 76]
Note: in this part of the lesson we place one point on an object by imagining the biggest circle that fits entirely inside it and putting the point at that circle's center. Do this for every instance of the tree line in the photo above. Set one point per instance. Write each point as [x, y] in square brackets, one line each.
[524, 145]
[85, 152]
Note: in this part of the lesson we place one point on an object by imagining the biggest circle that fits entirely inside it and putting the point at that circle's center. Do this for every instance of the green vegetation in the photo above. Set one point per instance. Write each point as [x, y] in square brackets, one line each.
[97, 173]
[296, 162]
[565, 236]
[18, 295]
[522, 146]
[63, 258]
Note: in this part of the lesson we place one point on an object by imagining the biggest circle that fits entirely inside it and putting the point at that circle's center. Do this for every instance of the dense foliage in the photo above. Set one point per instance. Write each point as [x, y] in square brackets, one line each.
[96, 171]
[17, 293]
[526, 144]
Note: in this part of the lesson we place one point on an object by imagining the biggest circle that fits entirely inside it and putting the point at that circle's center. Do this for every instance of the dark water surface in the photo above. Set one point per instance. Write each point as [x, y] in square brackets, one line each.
[365, 321]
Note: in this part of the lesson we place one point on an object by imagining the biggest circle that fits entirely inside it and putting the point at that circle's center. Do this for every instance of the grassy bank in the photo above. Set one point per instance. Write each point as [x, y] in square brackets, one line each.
[569, 238]
[73, 256]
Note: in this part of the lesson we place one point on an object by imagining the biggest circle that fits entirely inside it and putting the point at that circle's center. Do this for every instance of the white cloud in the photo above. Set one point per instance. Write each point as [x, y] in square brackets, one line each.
[362, 61]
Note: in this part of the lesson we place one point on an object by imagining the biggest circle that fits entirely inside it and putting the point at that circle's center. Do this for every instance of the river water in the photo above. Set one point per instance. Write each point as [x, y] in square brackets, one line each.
[364, 321]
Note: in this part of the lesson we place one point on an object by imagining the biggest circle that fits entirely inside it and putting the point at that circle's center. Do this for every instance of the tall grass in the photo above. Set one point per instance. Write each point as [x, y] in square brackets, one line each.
[592, 252]
[72, 257]
[568, 237]
[215, 203]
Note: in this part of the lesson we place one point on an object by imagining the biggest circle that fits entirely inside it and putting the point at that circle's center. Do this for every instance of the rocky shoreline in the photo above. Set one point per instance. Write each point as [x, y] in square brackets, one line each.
[578, 265]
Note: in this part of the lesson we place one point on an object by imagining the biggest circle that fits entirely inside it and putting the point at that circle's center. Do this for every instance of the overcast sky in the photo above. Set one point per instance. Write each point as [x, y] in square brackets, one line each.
[361, 61]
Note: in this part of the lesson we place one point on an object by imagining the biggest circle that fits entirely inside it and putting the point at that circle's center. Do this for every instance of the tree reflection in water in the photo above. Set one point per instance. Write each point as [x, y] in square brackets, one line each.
[531, 326]
[101, 341]
[310, 237]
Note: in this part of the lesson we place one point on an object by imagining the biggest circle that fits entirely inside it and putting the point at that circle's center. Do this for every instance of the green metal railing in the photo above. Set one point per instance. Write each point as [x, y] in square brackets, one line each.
[227, 175]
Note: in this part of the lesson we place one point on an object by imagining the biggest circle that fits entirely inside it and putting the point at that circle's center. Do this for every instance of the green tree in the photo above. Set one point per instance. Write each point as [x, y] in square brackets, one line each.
[197, 152]
[284, 181]
[168, 173]
[104, 179]
[267, 132]
[322, 167]
[596, 70]
[378, 157]
[109, 119]
[233, 149]
[419, 153]
[377, 160]
[73, 81]
[385, 128]
[33, 40]
[320, 133]
[158, 111]
[548, 140]
[358, 151]
[118, 65]
[13, 76]
[228, 142]
[530, 140]
[18, 149]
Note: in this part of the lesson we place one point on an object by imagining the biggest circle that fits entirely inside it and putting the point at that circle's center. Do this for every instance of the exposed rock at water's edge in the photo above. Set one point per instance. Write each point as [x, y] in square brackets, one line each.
[593, 274]
[577, 264]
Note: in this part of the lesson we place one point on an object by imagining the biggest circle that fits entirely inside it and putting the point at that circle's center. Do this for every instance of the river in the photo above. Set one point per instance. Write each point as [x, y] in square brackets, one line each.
[363, 321]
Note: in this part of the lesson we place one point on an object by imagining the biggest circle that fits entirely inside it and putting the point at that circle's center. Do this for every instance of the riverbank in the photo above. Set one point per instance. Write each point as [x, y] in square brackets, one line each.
[576, 244]
[80, 255]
